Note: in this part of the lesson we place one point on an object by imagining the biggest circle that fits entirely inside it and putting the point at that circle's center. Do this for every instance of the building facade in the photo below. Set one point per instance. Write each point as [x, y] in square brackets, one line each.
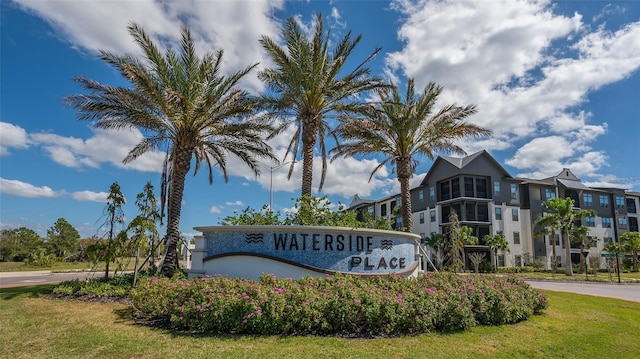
[490, 201]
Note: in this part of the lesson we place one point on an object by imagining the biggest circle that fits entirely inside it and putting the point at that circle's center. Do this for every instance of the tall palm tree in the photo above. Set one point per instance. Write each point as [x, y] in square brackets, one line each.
[403, 127]
[496, 243]
[306, 87]
[184, 106]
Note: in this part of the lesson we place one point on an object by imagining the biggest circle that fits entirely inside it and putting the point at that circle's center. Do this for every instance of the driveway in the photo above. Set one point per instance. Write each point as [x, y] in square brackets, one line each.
[611, 290]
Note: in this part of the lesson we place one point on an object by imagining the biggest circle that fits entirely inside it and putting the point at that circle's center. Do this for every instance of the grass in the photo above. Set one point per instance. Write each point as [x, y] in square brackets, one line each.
[573, 326]
[628, 277]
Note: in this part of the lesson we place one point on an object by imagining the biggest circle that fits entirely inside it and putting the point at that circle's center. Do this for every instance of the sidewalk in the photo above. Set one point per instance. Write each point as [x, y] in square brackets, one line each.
[24, 274]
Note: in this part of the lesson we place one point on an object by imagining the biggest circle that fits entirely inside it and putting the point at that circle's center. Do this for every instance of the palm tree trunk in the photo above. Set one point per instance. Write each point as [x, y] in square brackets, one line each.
[308, 144]
[554, 261]
[180, 168]
[404, 173]
[568, 269]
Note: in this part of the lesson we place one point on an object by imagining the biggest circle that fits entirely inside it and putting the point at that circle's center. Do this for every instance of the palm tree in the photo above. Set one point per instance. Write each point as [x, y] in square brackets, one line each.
[549, 224]
[631, 242]
[403, 127]
[438, 243]
[182, 105]
[306, 88]
[580, 234]
[459, 238]
[496, 243]
[567, 217]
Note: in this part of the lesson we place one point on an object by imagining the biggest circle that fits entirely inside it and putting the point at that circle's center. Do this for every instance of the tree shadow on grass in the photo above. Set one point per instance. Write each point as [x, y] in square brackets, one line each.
[34, 291]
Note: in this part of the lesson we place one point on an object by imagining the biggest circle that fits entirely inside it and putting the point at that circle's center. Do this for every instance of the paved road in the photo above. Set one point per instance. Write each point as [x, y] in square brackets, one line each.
[612, 290]
[18, 279]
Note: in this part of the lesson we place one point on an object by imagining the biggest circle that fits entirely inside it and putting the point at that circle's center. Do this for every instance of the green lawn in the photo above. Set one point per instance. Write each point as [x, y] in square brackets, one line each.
[574, 326]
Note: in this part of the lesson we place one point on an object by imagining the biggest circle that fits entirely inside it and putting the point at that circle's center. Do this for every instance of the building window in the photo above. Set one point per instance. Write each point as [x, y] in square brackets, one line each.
[514, 190]
[370, 210]
[481, 188]
[549, 193]
[587, 198]
[432, 193]
[619, 201]
[606, 222]
[422, 236]
[631, 205]
[516, 237]
[455, 188]
[483, 212]
[498, 214]
[622, 223]
[383, 210]
[496, 188]
[557, 238]
[518, 260]
[607, 240]
[500, 260]
[468, 187]
[432, 214]
[514, 215]
[470, 211]
[421, 196]
[604, 200]
[633, 224]
[421, 217]
[590, 221]
[445, 191]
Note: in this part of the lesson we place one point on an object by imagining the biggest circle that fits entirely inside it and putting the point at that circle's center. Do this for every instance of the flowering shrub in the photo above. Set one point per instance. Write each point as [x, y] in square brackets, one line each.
[341, 304]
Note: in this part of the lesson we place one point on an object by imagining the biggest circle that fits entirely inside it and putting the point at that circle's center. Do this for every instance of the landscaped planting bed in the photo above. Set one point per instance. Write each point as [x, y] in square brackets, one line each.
[336, 305]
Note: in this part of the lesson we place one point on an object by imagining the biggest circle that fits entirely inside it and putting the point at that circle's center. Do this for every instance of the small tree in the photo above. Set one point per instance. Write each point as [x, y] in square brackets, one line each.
[631, 243]
[459, 238]
[62, 239]
[18, 244]
[438, 243]
[114, 216]
[496, 243]
[476, 258]
[143, 228]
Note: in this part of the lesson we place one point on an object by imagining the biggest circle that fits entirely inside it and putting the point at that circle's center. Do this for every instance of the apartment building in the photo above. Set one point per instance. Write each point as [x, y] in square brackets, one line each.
[490, 201]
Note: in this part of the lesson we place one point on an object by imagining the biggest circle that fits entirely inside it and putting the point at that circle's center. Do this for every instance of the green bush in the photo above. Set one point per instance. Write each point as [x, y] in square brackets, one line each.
[341, 304]
[116, 287]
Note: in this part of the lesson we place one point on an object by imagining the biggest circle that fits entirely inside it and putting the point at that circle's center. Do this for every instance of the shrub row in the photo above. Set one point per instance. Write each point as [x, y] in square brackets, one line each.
[115, 287]
[337, 305]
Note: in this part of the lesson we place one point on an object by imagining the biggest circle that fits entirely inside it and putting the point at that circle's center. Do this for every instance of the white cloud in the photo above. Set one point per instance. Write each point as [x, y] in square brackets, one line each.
[230, 25]
[23, 189]
[105, 146]
[90, 196]
[12, 136]
[215, 209]
[527, 68]
[236, 203]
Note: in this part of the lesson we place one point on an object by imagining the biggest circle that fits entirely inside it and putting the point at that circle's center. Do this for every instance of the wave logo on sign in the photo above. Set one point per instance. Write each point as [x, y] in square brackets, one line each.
[254, 238]
[386, 244]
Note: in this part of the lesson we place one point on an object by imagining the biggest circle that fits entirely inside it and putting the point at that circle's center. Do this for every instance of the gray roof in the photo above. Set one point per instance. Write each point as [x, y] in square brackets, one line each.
[573, 184]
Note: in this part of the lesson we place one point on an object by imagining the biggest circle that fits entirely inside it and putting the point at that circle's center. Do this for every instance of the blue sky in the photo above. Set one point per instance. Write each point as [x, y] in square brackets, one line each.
[557, 82]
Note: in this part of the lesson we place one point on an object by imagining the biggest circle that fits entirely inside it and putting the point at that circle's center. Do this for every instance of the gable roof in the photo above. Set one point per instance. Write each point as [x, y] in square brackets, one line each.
[462, 162]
